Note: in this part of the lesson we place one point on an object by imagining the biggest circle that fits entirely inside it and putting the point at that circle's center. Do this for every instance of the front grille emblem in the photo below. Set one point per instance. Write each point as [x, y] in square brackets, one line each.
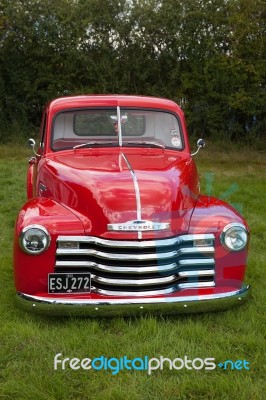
[139, 226]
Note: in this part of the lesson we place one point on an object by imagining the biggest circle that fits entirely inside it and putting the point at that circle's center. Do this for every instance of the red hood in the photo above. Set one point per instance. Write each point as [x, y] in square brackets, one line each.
[99, 186]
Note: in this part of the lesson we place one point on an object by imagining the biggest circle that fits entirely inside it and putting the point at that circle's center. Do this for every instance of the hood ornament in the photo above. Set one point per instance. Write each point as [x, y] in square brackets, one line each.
[139, 226]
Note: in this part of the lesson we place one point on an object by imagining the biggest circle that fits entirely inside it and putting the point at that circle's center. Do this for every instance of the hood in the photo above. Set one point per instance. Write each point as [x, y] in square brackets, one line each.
[156, 185]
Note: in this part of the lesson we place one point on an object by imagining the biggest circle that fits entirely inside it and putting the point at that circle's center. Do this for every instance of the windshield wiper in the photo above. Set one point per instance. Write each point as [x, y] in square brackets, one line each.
[91, 144]
[146, 143]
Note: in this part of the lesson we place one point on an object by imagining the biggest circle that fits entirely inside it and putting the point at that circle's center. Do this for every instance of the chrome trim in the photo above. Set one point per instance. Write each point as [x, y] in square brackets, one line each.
[139, 226]
[197, 262]
[157, 292]
[229, 226]
[139, 266]
[117, 257]
[119, 126]
[146, 293]
[136, 186]
[32, 144]
[133, 282]
[137, 191]
[173, 267]
[125, 307]
[134, 243]
[191, 285]
[136, 257]
[34, 226]
[200, 145]
[114, 269]
[197, 273]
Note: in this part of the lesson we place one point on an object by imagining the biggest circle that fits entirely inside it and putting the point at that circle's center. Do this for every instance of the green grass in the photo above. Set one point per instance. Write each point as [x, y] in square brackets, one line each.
[28, 343]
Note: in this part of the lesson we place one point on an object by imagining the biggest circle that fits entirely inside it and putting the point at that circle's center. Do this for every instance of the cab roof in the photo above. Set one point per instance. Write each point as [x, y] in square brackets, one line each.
[70, 102]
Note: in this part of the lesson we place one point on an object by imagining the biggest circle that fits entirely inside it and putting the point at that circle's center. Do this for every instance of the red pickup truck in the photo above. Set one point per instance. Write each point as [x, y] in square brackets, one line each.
[115, 223]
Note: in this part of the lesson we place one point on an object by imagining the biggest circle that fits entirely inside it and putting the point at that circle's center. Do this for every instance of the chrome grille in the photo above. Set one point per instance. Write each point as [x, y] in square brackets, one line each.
[139, 267]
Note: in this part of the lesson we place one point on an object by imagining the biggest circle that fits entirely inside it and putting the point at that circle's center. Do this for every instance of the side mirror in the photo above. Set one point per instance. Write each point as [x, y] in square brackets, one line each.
[32, 144]
[200, 144]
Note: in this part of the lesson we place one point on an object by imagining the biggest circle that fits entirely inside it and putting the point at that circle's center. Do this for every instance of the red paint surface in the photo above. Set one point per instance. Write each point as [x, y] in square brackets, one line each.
[90, 188]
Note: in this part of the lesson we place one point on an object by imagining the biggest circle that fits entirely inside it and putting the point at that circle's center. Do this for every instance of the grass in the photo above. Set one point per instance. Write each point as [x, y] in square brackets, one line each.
[28, 343]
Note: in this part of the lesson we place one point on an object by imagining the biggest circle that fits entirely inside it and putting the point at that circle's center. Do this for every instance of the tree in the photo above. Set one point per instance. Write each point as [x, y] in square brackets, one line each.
[208, 55]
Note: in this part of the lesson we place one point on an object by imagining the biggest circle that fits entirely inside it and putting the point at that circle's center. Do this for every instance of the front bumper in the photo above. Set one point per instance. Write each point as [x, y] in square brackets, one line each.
[127, 307]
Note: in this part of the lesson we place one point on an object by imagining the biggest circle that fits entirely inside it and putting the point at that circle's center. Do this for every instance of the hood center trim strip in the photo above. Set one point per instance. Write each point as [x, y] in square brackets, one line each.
[137, 191]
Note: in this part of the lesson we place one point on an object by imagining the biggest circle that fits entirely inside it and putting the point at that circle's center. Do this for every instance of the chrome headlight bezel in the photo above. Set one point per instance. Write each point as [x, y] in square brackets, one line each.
[229, 229]
[39, 230]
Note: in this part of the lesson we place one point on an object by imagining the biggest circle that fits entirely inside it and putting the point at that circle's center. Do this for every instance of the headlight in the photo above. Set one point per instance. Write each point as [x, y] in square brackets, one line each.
[234, 237]
[34, 239]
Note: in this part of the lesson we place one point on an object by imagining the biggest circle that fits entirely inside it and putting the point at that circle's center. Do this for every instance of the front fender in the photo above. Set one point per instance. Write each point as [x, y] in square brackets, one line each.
[30, 271]
[211, 215]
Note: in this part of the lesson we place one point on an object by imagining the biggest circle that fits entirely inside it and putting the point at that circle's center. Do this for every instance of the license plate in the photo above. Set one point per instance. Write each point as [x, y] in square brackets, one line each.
[69, 283]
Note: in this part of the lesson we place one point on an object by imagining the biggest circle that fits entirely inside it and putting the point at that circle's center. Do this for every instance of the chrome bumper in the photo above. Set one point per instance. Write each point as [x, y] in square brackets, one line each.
[126, 307]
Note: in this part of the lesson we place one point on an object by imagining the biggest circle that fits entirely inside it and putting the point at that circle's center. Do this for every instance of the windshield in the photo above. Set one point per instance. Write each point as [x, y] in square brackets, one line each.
[116, 127]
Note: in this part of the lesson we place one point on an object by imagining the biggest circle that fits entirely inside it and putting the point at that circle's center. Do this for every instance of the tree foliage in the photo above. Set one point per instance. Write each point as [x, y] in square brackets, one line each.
[208, 55]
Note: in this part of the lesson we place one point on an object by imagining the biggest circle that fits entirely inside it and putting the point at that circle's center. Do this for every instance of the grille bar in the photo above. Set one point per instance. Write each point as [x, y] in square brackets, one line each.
[207, 272]
[157, 292]
[115, 269]
[139, 266]
[134, 257]
[133, 282]
[172, 267]
[99, 242]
